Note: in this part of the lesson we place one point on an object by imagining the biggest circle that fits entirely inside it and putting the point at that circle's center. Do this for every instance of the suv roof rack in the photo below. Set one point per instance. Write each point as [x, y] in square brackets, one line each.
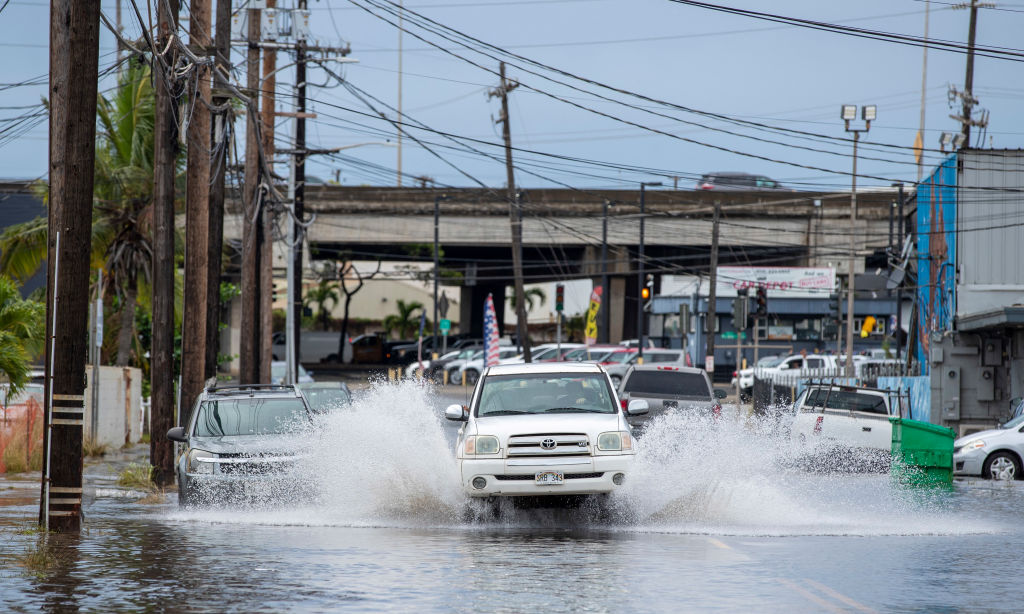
[251, 387]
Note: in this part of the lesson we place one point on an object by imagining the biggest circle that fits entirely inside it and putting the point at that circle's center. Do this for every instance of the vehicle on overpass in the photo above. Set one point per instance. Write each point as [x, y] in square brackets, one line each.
[543, 429]
[728, 181]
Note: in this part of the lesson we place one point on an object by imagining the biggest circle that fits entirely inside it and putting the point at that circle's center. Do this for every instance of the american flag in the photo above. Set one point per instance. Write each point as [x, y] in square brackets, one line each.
[490, 333]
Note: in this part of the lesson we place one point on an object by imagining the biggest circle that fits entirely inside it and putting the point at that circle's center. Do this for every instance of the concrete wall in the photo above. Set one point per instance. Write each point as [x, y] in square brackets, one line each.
[119, 418]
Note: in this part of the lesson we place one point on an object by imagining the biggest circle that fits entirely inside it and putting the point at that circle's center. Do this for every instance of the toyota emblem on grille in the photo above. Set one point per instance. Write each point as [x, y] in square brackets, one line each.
[548, 444]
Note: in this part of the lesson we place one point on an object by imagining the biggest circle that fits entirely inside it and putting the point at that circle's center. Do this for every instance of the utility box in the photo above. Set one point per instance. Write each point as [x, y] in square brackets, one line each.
[118, 420]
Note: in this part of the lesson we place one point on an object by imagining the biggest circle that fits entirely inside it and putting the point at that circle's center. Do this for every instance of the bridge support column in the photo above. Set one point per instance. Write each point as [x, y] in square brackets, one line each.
[471, 308]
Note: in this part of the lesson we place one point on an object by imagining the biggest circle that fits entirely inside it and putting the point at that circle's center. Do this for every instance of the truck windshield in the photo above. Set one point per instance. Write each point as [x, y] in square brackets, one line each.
[545, 393]
[234, 417]
[844, 399]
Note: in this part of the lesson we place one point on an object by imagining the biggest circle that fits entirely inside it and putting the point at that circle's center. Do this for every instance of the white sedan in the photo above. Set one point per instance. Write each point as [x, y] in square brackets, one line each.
[993, 454]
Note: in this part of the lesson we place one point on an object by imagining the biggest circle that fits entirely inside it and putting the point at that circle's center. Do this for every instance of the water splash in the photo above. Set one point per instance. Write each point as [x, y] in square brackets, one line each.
[387, 461]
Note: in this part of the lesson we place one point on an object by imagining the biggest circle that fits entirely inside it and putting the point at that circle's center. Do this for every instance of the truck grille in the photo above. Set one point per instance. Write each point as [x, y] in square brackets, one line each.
[550, 444]
[531, 477]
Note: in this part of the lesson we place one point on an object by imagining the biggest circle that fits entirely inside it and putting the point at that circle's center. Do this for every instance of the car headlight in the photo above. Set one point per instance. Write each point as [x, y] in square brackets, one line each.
[973, 445]
[615, 441]
[197, 466]
[481, 444]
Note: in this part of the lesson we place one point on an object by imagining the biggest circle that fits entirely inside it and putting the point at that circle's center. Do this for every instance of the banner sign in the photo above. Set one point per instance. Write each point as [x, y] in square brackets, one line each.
[791, 280]
[595, 307]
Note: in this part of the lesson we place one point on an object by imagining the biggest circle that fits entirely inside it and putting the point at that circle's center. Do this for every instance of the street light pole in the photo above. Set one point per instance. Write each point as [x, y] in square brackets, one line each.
[437, 266]
[640, 275]
[605, 336]
[848, 113]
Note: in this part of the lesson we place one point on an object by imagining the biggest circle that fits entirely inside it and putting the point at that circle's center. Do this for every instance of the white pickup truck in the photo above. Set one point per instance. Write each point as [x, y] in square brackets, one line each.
[844, 427]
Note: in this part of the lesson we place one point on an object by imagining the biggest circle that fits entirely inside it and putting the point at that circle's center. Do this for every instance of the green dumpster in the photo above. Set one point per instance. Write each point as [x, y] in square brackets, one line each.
[922, 453]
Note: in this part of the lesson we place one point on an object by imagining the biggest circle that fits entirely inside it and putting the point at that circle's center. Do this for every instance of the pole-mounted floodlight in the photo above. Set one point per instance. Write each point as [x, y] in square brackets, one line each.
[849, 112]
[869, 112]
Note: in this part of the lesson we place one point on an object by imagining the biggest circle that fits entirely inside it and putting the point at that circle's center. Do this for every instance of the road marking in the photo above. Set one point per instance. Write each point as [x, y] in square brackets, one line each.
[839, 596]
[810, 596]
[718, 543]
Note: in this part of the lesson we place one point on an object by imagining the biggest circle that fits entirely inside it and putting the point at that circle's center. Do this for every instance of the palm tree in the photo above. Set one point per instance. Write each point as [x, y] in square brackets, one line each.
[122, 199]
[403, 322]
[529, 295]
[324, 296]
[21, 335]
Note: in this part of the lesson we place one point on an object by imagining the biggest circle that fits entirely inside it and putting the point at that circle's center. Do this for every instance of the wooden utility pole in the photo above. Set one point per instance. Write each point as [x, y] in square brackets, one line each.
[218, 164]
[252, 221]
[968, 94]
[74, 72]
[197, 218]
[165, 153]
[712, 314]
[267, 86]
[299, 204]
[515, 213]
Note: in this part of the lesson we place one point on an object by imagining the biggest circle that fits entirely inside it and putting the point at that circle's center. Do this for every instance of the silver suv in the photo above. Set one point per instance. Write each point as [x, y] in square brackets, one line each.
[240, 441]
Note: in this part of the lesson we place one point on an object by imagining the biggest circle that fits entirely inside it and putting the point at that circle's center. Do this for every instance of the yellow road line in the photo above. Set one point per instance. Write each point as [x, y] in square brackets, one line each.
[718, 543]
[840, 597]
[810, 596]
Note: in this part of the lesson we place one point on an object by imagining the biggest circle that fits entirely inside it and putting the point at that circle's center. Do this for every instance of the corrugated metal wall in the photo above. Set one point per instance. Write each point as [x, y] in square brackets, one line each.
[990, 223]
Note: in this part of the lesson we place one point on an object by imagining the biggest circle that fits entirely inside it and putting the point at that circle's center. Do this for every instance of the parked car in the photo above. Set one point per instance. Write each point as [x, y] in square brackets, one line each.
[844, 427]
[652, 356]
[314, 346]
[543, 429]
[324, 397]
[240, 440]
[452, 366]
[992, 454]
[593, 353]
[278, 369]
[745, 377]
[725, 181]
[474, 367]
[668, 388]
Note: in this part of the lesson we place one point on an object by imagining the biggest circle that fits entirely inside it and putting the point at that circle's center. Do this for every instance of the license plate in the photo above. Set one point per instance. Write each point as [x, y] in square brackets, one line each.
[545, 478]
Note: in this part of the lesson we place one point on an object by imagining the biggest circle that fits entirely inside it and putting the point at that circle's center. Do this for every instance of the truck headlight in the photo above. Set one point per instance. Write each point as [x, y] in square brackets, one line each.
[481, 444]
[615, 441]
[197, 466]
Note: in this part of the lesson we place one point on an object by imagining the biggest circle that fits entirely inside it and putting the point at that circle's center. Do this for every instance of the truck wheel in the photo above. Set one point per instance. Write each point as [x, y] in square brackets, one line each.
[1001, 466]
[471, 376]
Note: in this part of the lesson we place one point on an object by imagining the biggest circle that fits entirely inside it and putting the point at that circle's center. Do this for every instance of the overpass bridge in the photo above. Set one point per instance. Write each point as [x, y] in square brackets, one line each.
[562, 234]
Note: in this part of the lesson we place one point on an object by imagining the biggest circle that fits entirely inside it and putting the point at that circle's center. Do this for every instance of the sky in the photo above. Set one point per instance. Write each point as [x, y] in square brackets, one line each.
[728, 65]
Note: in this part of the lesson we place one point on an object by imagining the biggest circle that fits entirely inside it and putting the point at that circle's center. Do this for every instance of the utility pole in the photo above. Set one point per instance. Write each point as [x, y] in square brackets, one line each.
[515, 213]
[968, 94]
[899, 288]
[74, 72]
[924, 91]
[165, 154]
[640, 275]
[298, 197]
[252, 223]
[197, 217]
[268, 87]
[218, 165]
[712, 317]
[401, 31]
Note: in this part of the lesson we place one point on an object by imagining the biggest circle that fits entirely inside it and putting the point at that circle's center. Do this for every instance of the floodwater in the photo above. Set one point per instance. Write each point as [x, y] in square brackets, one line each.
[713, 519]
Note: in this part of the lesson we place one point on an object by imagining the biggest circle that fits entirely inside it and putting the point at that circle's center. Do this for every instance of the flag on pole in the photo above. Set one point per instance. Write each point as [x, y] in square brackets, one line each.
[490, 333]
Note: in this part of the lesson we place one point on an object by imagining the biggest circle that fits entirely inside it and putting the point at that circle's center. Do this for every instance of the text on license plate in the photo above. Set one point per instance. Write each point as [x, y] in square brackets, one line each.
[549, 477]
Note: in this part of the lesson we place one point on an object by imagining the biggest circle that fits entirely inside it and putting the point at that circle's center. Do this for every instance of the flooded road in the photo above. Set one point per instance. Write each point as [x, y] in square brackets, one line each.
[713, 519]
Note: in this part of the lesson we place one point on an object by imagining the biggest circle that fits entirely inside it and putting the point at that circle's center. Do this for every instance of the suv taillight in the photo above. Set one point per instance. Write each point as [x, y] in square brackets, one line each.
[624, 403]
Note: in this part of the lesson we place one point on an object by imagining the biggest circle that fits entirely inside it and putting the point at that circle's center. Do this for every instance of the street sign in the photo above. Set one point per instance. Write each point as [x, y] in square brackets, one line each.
[731, 334]
[446, 325]
[442, 306]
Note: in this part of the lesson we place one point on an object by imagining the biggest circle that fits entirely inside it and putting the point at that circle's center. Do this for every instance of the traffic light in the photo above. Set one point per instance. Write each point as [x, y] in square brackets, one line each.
[648, 289]
[559, 297]
[868, 326]
[739, 312]
[645, 293]
[833, 307]
[761, 300]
